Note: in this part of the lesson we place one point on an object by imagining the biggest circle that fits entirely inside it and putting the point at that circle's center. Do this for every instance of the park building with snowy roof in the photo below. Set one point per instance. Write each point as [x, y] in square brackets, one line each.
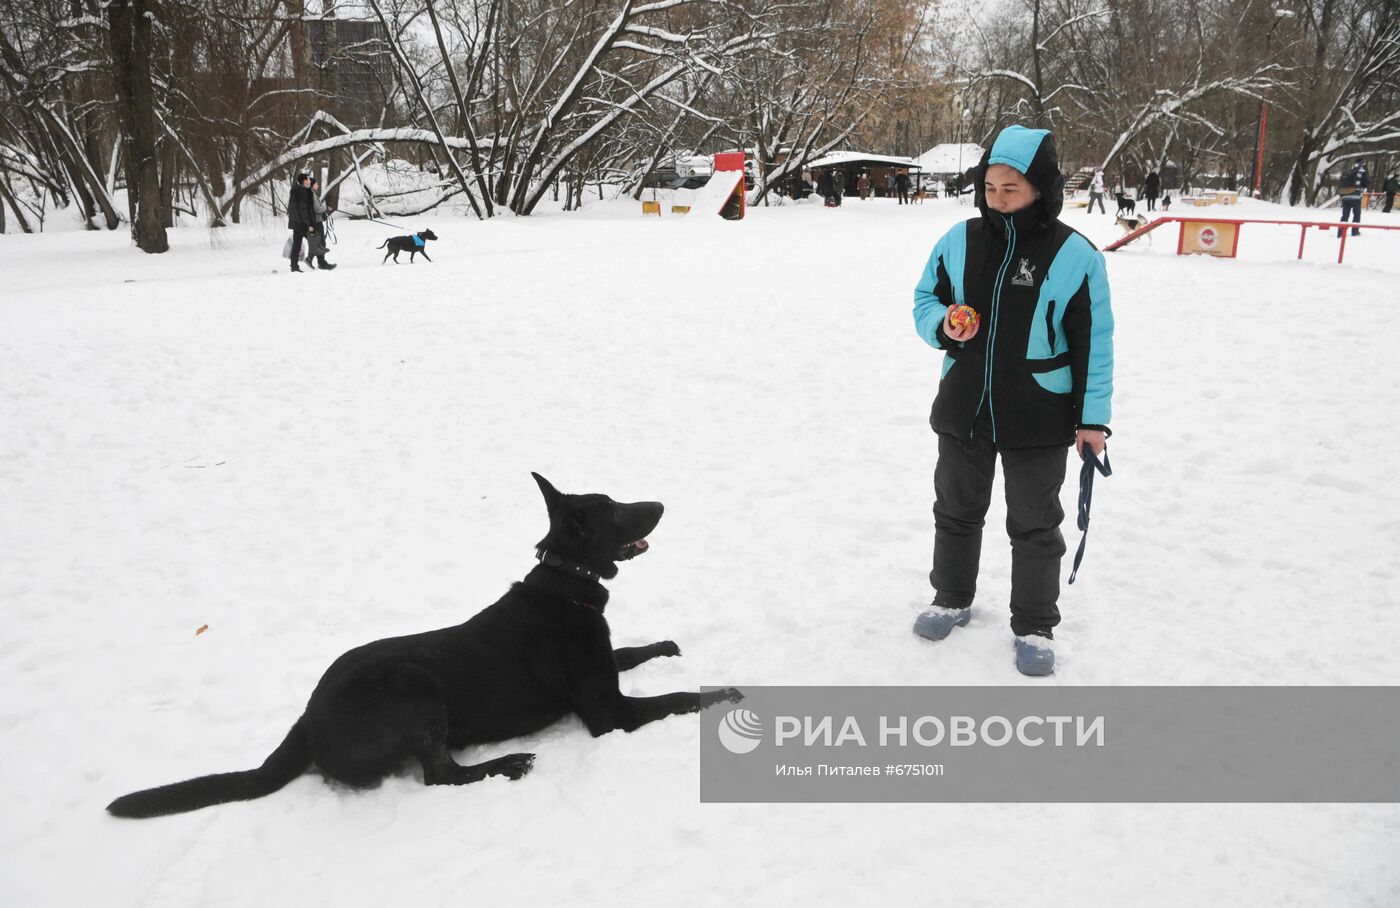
[849, 165]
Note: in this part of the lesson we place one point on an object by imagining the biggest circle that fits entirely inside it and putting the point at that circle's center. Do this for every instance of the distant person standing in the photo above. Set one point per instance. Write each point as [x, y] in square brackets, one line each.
[1391, 187]
[1096, 192]
[301, 215]
[889, 184]
[863, 185]
[824, 187]
[901, 186]
[1353, 184]
[1152, 188]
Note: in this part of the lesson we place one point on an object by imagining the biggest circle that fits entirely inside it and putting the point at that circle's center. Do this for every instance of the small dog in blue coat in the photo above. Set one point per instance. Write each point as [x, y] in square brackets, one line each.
[414, 244]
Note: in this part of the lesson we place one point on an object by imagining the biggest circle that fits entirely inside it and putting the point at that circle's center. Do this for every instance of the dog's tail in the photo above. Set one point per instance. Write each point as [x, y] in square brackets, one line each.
[383, 244]
[291, 758]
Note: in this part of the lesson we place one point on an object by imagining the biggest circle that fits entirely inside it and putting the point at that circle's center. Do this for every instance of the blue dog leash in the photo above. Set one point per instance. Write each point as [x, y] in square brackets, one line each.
[1086, 496]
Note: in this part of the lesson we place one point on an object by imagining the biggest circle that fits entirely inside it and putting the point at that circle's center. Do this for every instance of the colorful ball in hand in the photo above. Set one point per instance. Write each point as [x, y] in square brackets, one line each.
[963, 317]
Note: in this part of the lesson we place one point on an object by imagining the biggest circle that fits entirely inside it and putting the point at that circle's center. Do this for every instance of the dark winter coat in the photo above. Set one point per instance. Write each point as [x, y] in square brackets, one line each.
[1353, 182]
[1041, 363]
[301, 211]
[1392, 185]
[1153, 185]
[901, 182]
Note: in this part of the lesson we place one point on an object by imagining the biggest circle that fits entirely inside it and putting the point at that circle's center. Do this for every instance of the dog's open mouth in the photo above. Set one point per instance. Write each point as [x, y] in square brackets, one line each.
[631, 550]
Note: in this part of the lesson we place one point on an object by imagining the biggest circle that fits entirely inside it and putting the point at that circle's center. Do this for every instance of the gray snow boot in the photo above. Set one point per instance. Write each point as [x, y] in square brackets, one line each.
[1035, 655]
[937, 622]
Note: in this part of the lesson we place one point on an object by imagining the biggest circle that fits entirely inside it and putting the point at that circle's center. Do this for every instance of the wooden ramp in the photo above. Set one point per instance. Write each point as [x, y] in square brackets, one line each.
[1141, 231]
[716, 195]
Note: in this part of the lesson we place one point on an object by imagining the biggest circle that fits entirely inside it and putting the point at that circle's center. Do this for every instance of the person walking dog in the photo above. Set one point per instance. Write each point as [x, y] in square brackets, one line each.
[1032, 375]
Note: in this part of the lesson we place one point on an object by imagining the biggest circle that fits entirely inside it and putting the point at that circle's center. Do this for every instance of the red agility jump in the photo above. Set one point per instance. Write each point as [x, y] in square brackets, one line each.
[1212, 240]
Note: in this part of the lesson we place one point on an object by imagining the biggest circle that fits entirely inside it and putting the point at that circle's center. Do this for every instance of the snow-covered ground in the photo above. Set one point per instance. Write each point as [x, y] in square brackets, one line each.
[308, 462]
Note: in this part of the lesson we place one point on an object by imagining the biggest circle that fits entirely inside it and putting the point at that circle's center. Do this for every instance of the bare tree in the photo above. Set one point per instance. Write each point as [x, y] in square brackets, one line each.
[1126, 81]
[49, 120]
[1348, 105]
[129, 25]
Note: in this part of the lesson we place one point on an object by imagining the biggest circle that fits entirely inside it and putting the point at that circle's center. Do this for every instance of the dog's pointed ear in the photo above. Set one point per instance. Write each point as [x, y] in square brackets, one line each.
[550, 493]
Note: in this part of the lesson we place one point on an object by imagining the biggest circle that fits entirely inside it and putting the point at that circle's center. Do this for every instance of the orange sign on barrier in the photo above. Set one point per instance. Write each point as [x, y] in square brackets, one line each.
[1220, 238]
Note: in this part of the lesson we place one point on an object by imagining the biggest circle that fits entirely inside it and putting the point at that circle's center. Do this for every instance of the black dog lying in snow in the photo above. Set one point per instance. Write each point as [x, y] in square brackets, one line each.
[540, 652]
[414, 244]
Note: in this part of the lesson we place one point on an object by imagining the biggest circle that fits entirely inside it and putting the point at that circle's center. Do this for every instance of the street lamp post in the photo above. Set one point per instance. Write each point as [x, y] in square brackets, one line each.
[1279, 15]
[964, 113]
[957, 106]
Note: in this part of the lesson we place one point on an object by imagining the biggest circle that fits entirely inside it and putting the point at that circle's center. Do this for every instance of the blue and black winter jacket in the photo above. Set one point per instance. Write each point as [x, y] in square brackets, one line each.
[1041, 363]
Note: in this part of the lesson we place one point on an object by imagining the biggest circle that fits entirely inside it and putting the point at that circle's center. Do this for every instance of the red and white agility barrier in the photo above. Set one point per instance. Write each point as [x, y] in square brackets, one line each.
[1221, 236]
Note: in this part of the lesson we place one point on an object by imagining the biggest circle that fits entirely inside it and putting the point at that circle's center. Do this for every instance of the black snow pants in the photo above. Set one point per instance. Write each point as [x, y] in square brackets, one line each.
[963, 486]
[298, 235]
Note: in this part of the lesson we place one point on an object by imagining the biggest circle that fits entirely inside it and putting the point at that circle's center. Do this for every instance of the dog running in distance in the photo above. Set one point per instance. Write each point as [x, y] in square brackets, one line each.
[1131, 222]
[541, 652]
[414, 244]
[1124, 204]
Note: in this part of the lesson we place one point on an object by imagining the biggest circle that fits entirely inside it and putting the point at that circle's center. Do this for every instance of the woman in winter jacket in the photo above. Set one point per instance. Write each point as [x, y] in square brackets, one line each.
[317, 251]
[1031, 377]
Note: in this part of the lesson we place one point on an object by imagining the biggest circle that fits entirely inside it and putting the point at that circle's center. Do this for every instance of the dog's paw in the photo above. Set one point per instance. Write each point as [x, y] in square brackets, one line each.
[666, 648]
[513, 766]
